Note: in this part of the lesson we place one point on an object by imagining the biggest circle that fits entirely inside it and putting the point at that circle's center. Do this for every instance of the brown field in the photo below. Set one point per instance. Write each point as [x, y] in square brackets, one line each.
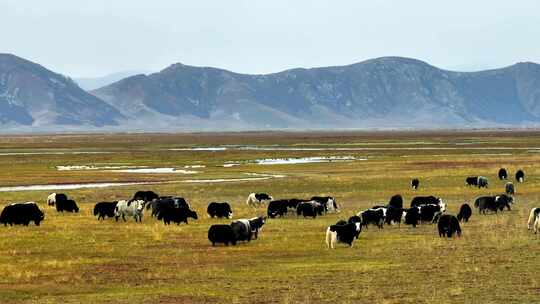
[73, 258]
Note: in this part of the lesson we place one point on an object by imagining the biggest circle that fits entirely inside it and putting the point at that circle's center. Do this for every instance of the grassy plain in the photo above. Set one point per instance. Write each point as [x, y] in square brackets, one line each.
[73, 258]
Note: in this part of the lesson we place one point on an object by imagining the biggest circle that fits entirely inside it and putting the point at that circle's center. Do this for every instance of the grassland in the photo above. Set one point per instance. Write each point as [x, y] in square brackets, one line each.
[73, 258]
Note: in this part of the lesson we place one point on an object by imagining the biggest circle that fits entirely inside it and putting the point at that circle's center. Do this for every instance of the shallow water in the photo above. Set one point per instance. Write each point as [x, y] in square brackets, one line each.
[157, 170]
[92, 167]
[258, 176]
[304, 160]
[53, 153]
[200, 149]
[70, 186]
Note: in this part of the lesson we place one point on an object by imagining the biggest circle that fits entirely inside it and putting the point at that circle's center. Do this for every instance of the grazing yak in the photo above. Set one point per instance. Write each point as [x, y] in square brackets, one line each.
[465, 213]
[129, 208]
[21, 214]
[471, 181]
[520, 176]
[277, 208]
[484, 203]
[509, 188]
[166, 202]
[420, 201]
[425, 200]
[493, 203]
[533, 217]
[221, 234]
[310, 208]
[242, 230]
[328, 202]
[373, 216]
[393, 215]
[104, 209]
[219, 210]
[255, 199]
[396, 201]
[479, 181]
[53, 198]
[503, 201]
[503, 174]
[345, 233]
[176, 215]
[415, 183]
[412, 216]
[294, 202]
[67, 205]
[256, 224]
[482, 182]
[146, 196]
[448, 226]
[430, 212]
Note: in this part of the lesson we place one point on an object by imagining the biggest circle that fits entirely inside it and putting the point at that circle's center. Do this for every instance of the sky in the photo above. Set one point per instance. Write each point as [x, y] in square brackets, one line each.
[95, 38]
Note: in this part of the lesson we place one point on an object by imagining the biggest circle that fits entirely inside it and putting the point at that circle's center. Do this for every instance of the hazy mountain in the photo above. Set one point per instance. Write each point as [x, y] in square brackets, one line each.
[383, 92]
[92, 83]
[389, 92]
[32, 95]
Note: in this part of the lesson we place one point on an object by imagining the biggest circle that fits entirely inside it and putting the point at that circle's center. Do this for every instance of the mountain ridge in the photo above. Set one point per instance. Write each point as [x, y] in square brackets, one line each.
[40, 97]
[368, 90]
[385, 92]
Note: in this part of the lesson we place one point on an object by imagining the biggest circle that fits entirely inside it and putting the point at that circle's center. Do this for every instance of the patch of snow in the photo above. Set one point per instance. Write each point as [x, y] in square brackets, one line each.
[91, 167]
[305, 160]
[194, 166]
[223, 180]
[157, 170]
[53, 153]
[230, 165]
[200, 149]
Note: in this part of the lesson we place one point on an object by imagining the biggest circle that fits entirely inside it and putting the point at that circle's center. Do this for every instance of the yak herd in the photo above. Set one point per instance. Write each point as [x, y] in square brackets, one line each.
[422, 209]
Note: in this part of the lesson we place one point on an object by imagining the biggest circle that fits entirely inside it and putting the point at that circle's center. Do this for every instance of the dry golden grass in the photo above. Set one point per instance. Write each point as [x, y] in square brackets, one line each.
[73, 258]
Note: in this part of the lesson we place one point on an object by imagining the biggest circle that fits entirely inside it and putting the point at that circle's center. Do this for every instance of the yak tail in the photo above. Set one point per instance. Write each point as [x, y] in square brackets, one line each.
[250, 200]
[330, 238]
[536, 224]
[532, 217]
[455, 223]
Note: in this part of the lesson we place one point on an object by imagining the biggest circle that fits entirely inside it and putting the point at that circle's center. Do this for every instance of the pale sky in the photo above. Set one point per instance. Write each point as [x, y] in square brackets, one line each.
[98, 37]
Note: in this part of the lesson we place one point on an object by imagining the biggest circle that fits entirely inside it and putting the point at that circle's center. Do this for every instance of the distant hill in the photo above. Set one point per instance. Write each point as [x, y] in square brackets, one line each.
[92, 83]
[31, 95]
[388, 92]
[384, 92]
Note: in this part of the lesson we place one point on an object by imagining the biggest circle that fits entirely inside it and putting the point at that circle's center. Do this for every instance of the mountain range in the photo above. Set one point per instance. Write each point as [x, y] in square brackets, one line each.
[385, 93]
